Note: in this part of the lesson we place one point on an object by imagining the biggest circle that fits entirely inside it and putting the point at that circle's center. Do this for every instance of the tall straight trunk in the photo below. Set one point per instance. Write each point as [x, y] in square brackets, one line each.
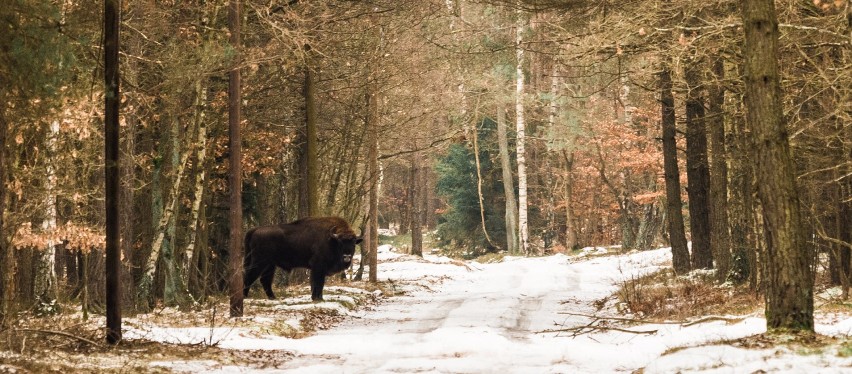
[198, 188]
[570, 229]
[674, 205]
[6, 253]
[508, 184]
[789, 282]
[697, 167]
[45, 278]
[740, 209]
[721, 239]
[373, 174]
[312, 170]
[520, 123]
[235, 183]
[844, 223]
[416, 216]
[126, 203]
[112, 22]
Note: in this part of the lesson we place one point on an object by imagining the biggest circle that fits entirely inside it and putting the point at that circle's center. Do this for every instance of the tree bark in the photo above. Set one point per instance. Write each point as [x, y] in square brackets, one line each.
[198, 188]
[6, 253]
[697, 167]
[570, 229]
[508, 184]
[479, 185]
[789, 283]
[373, 201]
[235, 216]
[674, 205]
[721, 239]
[740, 206]
[44, 283]
[523, 224]
[416, 216]
[311, 146]
[112, 22]
[159, 245]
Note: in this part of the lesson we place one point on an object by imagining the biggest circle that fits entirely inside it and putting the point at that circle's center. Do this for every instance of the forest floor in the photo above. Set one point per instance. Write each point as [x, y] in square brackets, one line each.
[590, 312]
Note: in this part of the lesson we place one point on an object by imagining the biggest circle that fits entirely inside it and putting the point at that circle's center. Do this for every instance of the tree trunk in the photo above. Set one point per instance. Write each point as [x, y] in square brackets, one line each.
[7, 256]
[674, 205]
[523, 224]
[373, 174]
[313, 167]
[159, 244]
[697, 168]
[190, 252]
[416, 216]
[235, 184]
[479, 185]
[789, 283]
[112, 22]
[721, 239]
[740, 209]
[44, 285]
[570, 229]
[508, 184]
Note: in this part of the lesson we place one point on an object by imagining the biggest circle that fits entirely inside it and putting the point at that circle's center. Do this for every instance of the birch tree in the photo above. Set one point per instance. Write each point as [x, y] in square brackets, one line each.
[520, 128]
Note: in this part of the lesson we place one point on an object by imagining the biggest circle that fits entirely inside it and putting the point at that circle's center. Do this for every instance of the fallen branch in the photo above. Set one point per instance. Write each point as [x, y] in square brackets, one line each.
[649, 322]
[579, 330]
[621, 319]
[711, 319]
[61, 333]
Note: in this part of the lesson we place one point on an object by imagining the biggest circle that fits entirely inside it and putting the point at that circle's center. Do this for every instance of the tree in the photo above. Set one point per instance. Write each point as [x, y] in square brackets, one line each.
[508, 184]
[697, 167]
[520, 143]
[112, 21]
[235, 216]
[674, 211]
[721, 238]
[789, 284]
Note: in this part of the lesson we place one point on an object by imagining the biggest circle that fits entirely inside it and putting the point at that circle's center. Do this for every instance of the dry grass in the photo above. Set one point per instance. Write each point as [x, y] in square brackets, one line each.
[664, 296]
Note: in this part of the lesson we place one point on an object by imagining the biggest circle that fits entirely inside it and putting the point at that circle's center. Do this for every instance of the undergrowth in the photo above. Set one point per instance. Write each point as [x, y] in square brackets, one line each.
[663, 295]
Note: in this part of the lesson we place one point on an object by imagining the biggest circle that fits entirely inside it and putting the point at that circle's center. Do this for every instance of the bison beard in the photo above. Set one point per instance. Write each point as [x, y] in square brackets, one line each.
[324, 245]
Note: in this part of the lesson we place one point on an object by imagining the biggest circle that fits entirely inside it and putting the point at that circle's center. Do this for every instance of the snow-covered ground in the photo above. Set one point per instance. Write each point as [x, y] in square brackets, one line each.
[447, 316]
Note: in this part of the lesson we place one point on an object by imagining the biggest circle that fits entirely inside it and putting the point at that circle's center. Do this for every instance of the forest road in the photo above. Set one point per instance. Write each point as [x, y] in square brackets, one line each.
[489, 321]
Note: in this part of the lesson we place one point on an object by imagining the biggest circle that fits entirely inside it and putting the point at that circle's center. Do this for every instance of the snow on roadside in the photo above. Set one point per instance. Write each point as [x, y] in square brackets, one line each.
[444, 315]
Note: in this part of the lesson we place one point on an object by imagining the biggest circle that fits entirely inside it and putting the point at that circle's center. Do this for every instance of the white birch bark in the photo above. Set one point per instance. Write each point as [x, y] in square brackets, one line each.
[45, 279]
[523, 228]
[200, 160]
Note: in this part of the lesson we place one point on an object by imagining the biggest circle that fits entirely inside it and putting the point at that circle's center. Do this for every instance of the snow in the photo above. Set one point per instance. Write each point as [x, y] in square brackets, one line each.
[444, 315]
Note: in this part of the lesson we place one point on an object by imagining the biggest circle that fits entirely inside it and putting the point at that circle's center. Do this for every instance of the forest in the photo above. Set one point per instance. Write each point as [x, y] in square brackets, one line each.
[722, 130]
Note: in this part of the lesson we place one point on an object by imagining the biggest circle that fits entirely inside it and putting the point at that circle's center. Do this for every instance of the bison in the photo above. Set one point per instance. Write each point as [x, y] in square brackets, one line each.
[324, 245]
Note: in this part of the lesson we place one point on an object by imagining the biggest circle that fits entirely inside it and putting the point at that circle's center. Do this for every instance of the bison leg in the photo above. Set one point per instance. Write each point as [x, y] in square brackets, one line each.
[317, 283]
[252, 272]
[266, 280]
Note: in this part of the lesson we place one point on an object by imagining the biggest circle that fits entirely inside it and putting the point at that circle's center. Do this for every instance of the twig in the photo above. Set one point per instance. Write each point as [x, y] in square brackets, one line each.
[61, 333]
[648, 322]
[632, 320]
[712, 318]
[579, 330]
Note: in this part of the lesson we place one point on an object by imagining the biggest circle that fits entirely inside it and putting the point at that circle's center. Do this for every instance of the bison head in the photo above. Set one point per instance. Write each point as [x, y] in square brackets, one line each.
[345, 243]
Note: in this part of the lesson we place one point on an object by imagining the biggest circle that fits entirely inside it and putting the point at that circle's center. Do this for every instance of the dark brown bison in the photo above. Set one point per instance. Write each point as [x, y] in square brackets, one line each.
[324, 245]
